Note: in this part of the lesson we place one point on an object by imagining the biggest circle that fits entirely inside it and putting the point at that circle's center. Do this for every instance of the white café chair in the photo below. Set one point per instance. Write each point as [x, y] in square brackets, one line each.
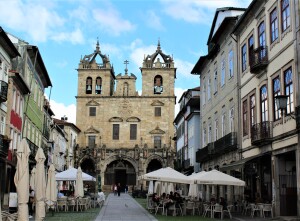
[218, 209]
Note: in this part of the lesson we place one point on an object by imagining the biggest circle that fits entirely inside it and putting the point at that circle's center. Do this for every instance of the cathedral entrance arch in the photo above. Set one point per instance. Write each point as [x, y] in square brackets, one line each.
[153, 165]
[120, 171]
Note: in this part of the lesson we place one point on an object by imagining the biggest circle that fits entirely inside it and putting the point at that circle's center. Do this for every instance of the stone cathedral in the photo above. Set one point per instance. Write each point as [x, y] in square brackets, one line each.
[124, 134]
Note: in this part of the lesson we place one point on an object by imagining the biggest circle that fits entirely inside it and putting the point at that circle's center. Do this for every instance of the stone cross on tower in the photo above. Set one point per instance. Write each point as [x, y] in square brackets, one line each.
[126, 62]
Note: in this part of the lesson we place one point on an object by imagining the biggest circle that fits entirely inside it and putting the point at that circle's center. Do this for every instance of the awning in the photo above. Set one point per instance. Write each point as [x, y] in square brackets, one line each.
[240, 164]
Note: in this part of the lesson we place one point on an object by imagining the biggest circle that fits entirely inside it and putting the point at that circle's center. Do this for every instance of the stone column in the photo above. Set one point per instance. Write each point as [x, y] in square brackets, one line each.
[229, 195]
[207, 190]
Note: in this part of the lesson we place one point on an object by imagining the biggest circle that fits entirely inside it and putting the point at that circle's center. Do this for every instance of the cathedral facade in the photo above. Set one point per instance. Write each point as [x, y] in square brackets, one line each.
[124, 134]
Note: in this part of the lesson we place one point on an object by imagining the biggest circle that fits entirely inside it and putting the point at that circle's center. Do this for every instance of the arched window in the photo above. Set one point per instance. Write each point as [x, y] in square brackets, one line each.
[288, 88]
[89, 82]
[158, 84]
[98, 87]
[264, 103]
[262, 39]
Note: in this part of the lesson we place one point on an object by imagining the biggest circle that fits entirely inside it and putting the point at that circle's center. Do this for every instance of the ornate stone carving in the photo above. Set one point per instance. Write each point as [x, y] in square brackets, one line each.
[91, 130]
[92, 103]
[157, 130]
[125, 108]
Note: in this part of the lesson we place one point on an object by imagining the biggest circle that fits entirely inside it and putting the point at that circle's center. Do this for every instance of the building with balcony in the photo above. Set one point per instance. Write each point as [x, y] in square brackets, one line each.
[33, 70]
[7, 53]
[267, 35]
[187, 131]
[219, 102]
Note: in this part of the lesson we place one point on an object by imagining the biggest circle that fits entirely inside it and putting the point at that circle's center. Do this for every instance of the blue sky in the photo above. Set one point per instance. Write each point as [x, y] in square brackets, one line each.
[65, 30]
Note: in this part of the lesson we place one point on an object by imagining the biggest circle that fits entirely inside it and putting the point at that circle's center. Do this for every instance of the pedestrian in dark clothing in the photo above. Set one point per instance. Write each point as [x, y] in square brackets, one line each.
[119, 189]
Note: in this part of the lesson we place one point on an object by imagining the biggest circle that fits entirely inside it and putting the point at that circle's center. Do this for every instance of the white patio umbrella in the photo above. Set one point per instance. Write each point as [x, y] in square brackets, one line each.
[164, 187]
[215, 177]
[170, 188]
[51, 190]
[79, 184]
[40, 185]
[166, 174]
[157, 188]
[21, 180]
[193, 188]
[150, 187]
[32, 178]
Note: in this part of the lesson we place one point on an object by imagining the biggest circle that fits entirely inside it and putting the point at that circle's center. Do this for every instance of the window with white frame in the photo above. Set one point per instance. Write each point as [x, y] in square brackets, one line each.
[11, 144]
[14, 100]
[289, 91]
[285, 14]
[231, 120]
[276, 92]
[2, 125]
[204, 137]
[215, 81]
[264, 103]
[208, 89]
[223, 72]
[209, 134]
[204, 92]
[216, 129]
[230, 63]
[223, 125]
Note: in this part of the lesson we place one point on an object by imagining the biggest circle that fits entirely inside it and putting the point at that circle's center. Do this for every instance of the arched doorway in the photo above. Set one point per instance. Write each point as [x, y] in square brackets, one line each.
[120, 171]
[154, 165]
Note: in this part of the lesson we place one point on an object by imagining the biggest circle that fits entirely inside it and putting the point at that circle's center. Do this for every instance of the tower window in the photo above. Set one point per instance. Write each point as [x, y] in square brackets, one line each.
[92, 111]
[98, 86]
[89, 85]
[158, 84]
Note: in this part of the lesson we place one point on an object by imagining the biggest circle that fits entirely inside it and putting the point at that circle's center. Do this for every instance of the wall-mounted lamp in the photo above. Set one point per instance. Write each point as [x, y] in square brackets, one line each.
[281, 103]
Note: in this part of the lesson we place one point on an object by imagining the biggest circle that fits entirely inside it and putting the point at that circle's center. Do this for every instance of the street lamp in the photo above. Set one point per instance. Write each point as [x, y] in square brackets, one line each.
[281, 103]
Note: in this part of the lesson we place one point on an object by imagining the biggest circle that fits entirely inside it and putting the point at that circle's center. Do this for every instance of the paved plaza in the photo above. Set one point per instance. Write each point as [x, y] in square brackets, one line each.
[123, 208]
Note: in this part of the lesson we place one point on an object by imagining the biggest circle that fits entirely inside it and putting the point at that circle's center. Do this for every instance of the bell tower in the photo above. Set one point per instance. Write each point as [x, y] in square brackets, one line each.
[95, 77]
[158, 74]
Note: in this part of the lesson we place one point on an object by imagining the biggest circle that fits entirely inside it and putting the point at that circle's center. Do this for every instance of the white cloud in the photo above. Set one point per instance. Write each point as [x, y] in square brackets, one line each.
[137, 54]
[80, 13]
[153, 20]
[61, 110]
[35, 18]
[196, 11]
[184, 68]
[111, 21]
[75, 37]
[178, 94]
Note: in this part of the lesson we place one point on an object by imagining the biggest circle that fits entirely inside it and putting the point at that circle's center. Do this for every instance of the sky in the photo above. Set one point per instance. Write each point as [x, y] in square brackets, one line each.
[66, 30]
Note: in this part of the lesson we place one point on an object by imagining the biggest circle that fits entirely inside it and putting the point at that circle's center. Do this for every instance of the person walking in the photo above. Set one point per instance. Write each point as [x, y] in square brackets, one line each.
[119, 189]
[115, 189]
[30, 202]
[126, 189]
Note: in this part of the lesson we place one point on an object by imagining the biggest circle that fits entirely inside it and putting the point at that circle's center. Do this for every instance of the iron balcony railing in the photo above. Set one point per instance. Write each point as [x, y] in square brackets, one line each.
[297, 116]
[226, 143]
[4, 145]
[3, 91]
[258, 59]
[262, 133]
[202, 154]
[186, 163]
